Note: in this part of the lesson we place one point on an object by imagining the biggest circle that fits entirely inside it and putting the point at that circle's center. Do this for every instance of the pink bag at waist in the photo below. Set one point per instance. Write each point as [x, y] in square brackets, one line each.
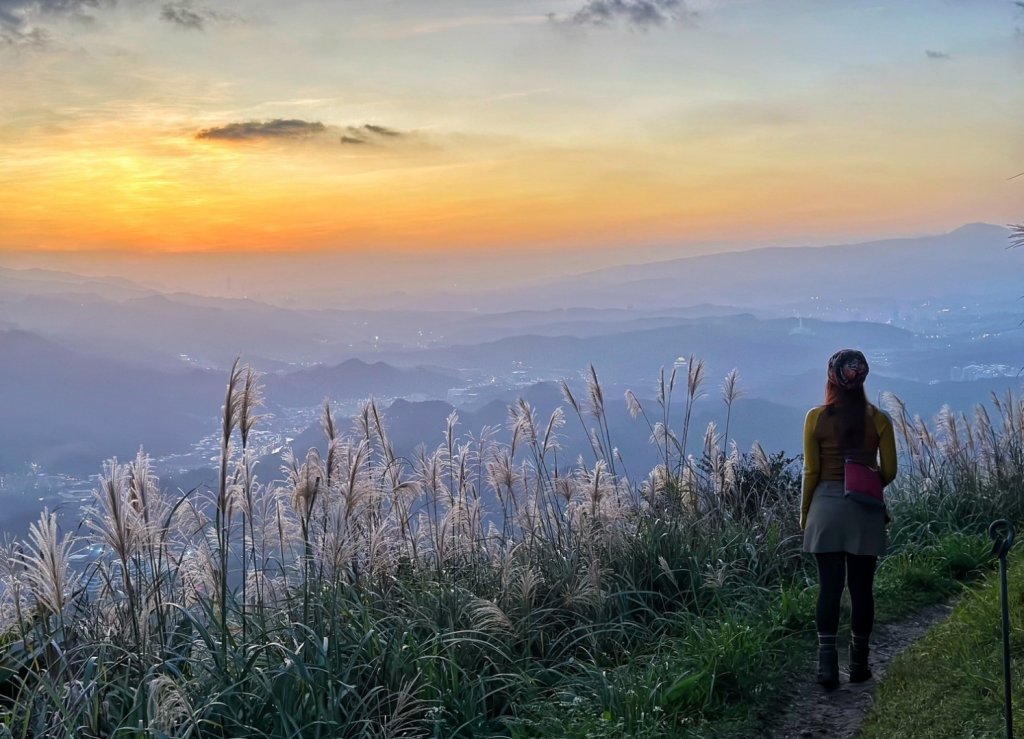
[863, 484]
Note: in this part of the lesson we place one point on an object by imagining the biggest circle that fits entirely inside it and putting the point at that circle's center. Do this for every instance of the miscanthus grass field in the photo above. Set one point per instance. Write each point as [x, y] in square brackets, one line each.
[484, 588]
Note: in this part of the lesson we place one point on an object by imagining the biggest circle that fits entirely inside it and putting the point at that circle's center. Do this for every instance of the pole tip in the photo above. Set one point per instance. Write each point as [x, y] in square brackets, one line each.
[1002, 534]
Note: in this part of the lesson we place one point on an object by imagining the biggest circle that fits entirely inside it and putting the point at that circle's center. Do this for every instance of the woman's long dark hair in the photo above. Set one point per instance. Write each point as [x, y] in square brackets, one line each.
[848, 410]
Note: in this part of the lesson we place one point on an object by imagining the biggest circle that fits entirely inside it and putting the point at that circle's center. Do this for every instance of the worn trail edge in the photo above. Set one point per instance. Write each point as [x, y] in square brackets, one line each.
[813, 713]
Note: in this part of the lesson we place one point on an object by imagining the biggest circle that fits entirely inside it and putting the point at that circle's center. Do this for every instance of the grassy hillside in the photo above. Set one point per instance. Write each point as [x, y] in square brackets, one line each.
[368, 594]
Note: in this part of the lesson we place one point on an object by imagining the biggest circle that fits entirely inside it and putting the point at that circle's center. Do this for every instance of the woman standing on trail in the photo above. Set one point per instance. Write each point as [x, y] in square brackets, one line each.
[846, 533]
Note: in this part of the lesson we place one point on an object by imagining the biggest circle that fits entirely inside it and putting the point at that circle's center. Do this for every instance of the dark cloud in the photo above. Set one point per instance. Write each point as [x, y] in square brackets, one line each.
[11, 36]
[18, 18]
[369, 133]
[282, 129]
[279, 128]
[936, 54]
[638, 14]
[380, 130]
[184, 14]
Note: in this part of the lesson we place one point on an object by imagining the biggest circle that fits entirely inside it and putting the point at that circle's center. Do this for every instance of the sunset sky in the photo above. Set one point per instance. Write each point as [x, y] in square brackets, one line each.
[465, 124]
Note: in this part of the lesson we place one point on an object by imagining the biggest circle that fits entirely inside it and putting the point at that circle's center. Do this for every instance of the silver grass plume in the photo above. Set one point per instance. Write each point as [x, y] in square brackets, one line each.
[694, 376]
[556, 422]
[241, 492]
[198, 572]
[565, 488]
[711, 441]
[116, 515]
[731, 391]
[657, 482]
[169, 708]
[946, 423]
[356, 489]
[569, 397]
[633, 405]
[500, 472]
[383, 550]
[596, 486]
[306, 483]
[363, 423]
[12, 568]
[731, 464]
[338, 548]
[526, 587]
[249, 398]
[897, 410]
[381, 431]
[408, 709]
[523, 420]
[47, 560]
[488, 617]
[761, 460]
[986, 434]
[595, 395]
[327, 421]
[450, 424]
[582, 592]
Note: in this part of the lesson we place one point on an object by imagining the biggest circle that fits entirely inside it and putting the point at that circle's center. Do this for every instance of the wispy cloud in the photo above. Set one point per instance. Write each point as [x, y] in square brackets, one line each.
[428, 27]
[279, 128]
[640, 15]
[931, 54]
[188, 16]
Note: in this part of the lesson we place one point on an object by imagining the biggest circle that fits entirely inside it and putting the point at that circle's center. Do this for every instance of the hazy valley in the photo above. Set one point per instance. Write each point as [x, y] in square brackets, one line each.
[95, 366]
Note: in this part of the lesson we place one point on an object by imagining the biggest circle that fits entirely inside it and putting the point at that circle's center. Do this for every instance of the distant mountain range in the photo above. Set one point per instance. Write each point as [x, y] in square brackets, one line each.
[95, 365]
[356, 379]
[411, 425]
[69, 411]
[759, 348]
[920, 283]
[971, 261]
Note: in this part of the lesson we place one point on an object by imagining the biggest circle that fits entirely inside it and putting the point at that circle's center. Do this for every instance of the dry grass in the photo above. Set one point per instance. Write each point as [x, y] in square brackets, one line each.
[369, 595]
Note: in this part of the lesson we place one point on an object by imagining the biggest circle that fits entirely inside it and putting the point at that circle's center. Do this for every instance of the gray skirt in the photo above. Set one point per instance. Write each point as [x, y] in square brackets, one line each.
[836, 523]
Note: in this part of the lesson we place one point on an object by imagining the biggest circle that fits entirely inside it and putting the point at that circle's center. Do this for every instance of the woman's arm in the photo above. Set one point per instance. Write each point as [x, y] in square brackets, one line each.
[812, 464]
[886, 447]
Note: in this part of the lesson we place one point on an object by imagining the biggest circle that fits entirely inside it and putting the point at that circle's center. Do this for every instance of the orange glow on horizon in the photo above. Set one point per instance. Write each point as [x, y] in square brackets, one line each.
[168, 191]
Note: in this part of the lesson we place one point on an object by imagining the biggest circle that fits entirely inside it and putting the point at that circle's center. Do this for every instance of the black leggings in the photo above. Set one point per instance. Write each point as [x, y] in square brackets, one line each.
[835, 570]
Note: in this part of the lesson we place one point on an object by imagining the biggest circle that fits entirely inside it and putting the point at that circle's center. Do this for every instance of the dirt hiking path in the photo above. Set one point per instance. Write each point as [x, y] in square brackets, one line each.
[814, 714]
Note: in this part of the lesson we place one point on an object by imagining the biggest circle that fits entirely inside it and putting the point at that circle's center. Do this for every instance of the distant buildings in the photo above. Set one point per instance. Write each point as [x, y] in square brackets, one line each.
[982, 371]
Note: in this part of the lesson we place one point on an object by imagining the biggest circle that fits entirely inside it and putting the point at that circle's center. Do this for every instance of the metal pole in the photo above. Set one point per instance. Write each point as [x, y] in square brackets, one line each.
[1001, 548]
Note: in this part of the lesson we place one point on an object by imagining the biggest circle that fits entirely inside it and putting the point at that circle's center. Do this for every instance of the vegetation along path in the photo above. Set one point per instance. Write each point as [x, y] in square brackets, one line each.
[812, 712]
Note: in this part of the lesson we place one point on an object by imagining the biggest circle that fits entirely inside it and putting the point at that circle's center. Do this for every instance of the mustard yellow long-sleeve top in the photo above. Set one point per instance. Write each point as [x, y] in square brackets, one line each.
[824, 457]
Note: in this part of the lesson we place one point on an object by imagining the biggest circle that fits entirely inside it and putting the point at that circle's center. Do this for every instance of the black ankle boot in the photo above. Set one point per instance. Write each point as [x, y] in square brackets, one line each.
[828, 662]
[859, 670]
